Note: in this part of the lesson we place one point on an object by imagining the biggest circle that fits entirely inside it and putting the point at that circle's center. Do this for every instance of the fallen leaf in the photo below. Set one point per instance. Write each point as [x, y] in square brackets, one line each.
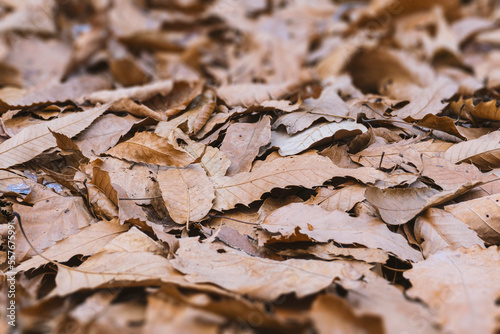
[481, 214]
[460, 287]
[242, 143]
[397, 206]
[33, 140]
[316, 134]
[437, 229]
[187, 192]
[150, 148]
[236, 271]
[338, 226]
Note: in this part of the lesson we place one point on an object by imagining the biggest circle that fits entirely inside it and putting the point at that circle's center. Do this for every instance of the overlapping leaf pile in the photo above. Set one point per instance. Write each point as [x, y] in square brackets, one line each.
[252, 166]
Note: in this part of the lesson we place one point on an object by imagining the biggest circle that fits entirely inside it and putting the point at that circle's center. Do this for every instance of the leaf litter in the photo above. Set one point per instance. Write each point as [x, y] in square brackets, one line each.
[252, 166]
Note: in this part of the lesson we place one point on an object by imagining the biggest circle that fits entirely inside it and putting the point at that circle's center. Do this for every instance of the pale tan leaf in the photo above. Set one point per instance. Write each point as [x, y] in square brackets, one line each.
[213, 161]
[70, 90]
[237, 271]
[331, 252]
[482, 215]
[9, 181]
[328, 105]
[460, 287]
[104, 133]
[343, 198]
[88, 241]
[308, 170]
[203, 109]
[316, 134]
[374, 295]
[63, 216]
[187, 192]
[136, 93]
[322, 226]
[35, 139]
[427, 100]
[448, 175]
[484, 151]
[165, 315]
[437, 229]
[136, 109]
[332, 314]
[244, 188]
[150, 148]
[400, 153]
[242, 143]
[254, 94]
[115, 268]
[397, 206]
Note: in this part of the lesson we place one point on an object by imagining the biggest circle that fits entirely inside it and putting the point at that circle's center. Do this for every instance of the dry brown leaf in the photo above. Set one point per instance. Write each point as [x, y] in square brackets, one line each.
[136, 109]
[400, 153]
[104, 133]
[437, 229]
[397, 206]
[136, 93]
[236, 271]
[482, 215]
[481, 111]
[165, 315]
[213, 161]
[316, 134]
[115, 268]
[331, 314]
[242, 143]
[71, 90]
[248, 95]
[88, 241]
[343, 198]
[62, 217]
[427, 100]
[483, 152]
[9, 181]
[331, 252]
[35, 139]
[150, 148]
[460, 287]
[373, 295]
[322, 226]
[244, 188]
[450, 176]
[187, 192]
